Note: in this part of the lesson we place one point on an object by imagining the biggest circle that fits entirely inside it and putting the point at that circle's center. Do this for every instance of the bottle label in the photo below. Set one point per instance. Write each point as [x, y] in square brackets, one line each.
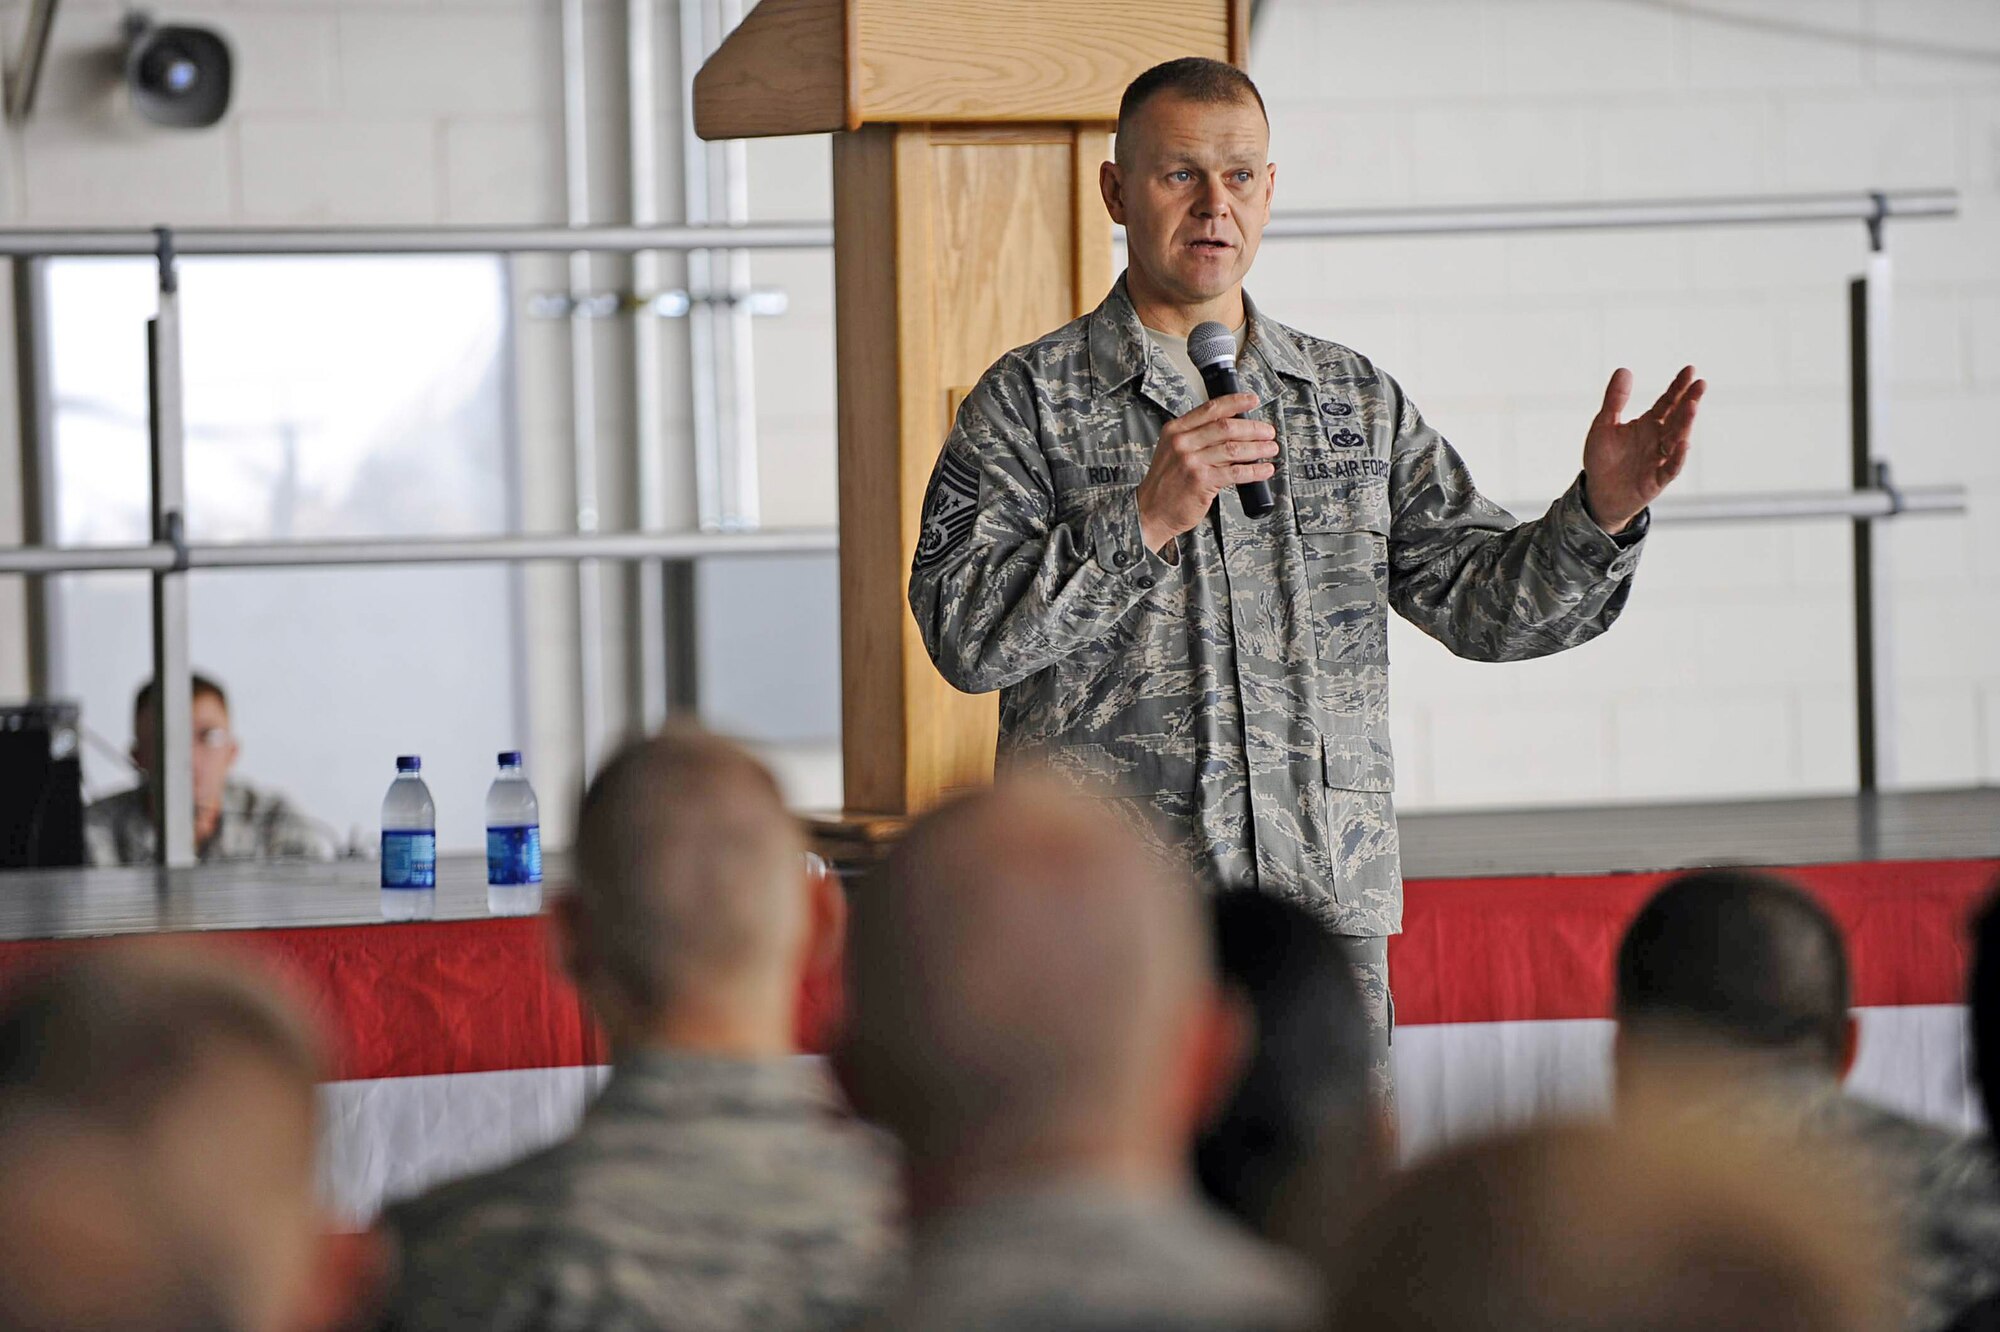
[409, 860]
[514, 855]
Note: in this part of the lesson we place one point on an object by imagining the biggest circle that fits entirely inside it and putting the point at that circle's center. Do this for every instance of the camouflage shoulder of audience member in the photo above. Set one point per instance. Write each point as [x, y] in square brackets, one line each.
[1058, 1261]
[698, 1194]
[1943, 1195]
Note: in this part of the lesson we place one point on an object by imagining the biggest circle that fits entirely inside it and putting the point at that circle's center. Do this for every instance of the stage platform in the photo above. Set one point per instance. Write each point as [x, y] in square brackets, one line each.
[1625, 839]
[1594, 840]
[1501, 977]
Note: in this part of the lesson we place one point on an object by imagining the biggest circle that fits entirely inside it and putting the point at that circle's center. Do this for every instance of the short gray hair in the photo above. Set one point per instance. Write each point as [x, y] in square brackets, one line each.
[687, 867]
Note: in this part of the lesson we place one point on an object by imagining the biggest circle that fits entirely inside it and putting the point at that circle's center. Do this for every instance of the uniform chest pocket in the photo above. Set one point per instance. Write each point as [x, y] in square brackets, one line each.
[1355, 506]
[1343, 534]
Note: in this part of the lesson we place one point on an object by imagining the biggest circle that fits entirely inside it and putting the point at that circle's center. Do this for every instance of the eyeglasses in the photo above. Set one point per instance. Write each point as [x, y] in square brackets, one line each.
[213, 737]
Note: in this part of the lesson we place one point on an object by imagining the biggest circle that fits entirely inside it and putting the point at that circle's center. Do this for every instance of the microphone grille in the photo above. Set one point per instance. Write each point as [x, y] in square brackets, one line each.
[1209, 343]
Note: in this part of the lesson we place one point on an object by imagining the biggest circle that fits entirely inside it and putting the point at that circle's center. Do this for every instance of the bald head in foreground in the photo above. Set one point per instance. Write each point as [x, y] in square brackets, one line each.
[1643, 1228]
[717, 1182]
[1733, 1003]
[1032, 1010]
[157, 1136]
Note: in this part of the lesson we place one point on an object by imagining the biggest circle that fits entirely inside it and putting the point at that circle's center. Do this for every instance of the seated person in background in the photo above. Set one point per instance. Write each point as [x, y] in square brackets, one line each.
[1984, 1001]
[1732, 1000]
[232, 820]
[1033, 1011]
[157, 1137]
[1637, 1228]
[715, 1183]
[1301, 1131]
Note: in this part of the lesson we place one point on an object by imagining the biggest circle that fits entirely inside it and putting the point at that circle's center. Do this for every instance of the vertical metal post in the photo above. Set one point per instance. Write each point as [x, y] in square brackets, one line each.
[681, 589]
[680, 609]
[173, 690]
[703, 397]
[742, 503]
[1868, 380]
[583, 391]
[36, 396]
[642, 41]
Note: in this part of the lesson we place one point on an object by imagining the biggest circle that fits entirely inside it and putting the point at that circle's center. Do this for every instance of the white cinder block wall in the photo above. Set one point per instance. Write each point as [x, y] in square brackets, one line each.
[1730, 672]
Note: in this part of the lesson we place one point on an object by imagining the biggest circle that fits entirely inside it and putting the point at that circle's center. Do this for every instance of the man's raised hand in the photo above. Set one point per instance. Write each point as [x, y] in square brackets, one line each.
[1198, 455]
[1626, 464]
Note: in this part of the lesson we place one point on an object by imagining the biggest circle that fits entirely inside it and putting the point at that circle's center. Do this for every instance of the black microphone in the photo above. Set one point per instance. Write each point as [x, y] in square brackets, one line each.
[1212, 348]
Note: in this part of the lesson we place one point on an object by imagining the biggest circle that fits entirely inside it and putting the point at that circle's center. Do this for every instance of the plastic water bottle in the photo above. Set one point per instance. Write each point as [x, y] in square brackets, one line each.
[409, 845]
[513, 842]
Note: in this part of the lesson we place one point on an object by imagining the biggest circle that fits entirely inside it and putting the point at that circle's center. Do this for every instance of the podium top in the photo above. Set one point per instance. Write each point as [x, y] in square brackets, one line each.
[811, 66]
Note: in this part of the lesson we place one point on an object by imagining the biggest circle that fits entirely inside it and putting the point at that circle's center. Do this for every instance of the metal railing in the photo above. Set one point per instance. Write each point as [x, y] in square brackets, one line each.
[1869, 208]
[1872, 208]
[169, 557]
[357, 552]
[159, 557]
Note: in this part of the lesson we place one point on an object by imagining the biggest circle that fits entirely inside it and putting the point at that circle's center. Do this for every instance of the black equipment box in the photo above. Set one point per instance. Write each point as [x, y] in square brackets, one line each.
[41, 786]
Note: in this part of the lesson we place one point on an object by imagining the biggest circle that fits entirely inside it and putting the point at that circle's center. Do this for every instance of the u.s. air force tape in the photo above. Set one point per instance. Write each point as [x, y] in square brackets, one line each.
[949, 509]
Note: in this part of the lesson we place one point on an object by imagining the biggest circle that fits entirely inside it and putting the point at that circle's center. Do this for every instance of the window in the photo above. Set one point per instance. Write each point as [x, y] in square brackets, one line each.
[325, 397]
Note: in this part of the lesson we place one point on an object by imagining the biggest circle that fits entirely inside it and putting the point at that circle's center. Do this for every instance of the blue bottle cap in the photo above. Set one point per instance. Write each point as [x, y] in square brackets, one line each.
[510, 758]
[409, 763]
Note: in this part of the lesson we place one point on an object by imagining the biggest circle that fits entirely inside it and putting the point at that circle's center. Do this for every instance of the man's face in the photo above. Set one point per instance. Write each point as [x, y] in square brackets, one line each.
[1193, 190]
[214, 751]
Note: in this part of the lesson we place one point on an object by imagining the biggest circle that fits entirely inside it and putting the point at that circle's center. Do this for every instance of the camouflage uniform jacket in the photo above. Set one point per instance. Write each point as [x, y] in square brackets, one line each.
[1240, 691]
[255, 825]
[700, 1194]
[1078, 1256]
[1942, 1194]
[1934, 1192]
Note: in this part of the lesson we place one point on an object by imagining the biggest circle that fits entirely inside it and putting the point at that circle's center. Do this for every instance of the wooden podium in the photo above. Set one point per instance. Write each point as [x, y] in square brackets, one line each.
[967, 221]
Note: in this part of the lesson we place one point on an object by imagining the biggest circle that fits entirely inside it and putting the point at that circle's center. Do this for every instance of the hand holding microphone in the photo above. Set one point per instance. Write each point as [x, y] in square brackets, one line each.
[1203, 452]
[1212, 348]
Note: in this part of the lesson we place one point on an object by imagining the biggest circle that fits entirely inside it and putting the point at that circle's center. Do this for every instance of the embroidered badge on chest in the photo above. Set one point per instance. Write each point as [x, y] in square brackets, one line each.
[949, 510]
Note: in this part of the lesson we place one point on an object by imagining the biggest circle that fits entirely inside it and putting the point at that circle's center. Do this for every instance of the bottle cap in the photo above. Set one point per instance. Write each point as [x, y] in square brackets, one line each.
[510, 758]
[409, 763]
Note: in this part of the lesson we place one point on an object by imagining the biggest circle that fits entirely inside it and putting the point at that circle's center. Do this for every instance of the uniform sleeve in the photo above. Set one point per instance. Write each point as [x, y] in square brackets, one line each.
[287, 834]
[1489, 588]
[100, 835]
[1008, 579]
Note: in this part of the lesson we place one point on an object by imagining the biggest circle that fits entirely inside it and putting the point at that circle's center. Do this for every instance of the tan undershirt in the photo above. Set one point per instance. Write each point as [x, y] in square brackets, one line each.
[1175, 350]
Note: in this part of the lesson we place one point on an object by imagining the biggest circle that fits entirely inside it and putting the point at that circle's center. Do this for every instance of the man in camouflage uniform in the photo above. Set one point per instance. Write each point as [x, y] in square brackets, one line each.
[1084, 549]
[233, 820]
[1733, 997]
[716, 1183]
[1984, 997]
[1033, 1010]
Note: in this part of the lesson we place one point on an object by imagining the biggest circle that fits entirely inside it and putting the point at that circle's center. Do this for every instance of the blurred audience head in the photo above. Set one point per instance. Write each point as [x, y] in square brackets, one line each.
[1639, 1228]
[1301, 1120]
[1734, 965]
[157, 1141]
[1030, 994]
[215, 748]
[692, 919]
[1985, 1004]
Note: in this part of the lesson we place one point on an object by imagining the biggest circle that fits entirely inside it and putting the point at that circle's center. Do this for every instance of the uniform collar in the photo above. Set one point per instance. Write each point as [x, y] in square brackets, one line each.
[1119, 352]
[684, 1084]
[1278, 345]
